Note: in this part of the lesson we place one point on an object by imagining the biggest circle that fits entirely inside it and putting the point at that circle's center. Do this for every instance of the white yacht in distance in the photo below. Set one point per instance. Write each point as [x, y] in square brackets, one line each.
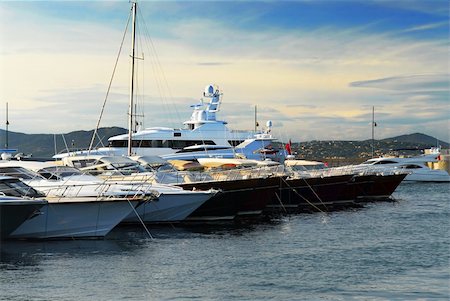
[415, 166]
[202, 136]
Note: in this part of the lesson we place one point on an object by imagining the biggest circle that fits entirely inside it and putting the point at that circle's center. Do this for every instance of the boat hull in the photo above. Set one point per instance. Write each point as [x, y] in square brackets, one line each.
[14, 212]
[383, 186]
[311, 194]
[169, 207]
[432, 175]
[93, 219]
[238, 198]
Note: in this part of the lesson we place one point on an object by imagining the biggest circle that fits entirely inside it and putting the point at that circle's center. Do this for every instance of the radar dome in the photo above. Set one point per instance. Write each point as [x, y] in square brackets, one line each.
[209, 90]
[269, 123]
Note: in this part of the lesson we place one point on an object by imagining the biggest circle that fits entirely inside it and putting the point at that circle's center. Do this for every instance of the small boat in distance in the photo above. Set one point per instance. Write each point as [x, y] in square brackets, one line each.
[416, 167]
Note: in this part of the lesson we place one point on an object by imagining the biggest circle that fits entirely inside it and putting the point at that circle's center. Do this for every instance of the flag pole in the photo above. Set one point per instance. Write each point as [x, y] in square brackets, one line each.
[7, 129]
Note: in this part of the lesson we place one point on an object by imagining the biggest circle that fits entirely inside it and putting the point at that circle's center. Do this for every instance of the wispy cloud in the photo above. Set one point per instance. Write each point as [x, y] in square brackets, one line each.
[300, 72]
[213, 63]
[409, 83]
[427, 26]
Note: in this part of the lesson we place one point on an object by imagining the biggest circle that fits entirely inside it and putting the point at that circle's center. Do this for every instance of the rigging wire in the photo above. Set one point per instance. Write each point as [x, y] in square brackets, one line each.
[110, 83]
[158, 69]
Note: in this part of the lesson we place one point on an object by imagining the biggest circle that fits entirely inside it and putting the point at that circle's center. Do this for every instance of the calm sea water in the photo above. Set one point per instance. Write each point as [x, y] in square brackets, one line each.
[384, 251]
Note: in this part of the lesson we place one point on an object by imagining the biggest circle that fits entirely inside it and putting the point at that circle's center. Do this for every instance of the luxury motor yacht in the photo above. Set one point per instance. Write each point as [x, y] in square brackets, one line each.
[337, 186]
[202, 136]
[416, 167]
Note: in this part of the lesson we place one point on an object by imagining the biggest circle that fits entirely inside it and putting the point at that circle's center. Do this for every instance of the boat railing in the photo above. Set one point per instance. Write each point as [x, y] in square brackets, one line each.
[72, 186]
[348, 170]
[235, 174]
[97, 191]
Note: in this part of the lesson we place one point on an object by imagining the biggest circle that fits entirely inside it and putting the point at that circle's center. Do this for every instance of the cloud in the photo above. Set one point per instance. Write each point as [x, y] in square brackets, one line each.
[213, 63]
[409, 83]
[427, 26]
[433, 7]
[303, 79]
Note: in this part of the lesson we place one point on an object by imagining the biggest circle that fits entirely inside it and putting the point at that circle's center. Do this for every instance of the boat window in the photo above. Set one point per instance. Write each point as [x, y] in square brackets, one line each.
[165, 168]
[300, 167]
[200, 149]
[17, 188]
[156, 143]
[9, 191]
[19, 172]
[167, 143]
[58, 172]
[176, 144]
[235, 142]
[411, 166]
[83, 163]
[127, 168]
[118, 143]
[386, 162]
[140, 143]
[177, 134]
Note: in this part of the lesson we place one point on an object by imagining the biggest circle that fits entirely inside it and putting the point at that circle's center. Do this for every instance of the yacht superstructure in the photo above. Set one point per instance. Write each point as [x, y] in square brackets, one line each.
[202, 135]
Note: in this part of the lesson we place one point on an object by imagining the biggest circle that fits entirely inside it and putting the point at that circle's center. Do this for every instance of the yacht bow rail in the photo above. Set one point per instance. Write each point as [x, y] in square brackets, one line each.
[349, 170]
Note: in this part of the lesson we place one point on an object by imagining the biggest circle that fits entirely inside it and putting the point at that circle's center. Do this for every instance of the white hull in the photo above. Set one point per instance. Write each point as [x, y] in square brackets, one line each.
[75, 220]
[170, 207]
[431, 175]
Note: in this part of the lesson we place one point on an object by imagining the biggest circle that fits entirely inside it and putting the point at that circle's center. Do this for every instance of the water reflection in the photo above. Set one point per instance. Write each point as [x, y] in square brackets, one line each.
[123, 239]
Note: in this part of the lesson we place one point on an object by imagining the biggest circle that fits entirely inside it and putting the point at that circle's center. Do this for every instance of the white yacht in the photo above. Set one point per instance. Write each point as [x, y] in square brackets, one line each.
[75, 209]
[173, 203]
[202, 136]
[416, 167]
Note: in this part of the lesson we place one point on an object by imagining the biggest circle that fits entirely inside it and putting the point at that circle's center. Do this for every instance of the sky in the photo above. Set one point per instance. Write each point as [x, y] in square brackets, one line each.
[315, 68]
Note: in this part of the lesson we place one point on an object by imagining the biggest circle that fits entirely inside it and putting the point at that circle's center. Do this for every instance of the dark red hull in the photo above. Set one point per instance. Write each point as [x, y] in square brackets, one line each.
[382, 187]
[311, 194]
[244, 197]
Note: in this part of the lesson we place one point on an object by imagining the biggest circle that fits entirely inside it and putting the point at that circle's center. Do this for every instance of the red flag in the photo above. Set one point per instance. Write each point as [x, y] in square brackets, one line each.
[288, 147]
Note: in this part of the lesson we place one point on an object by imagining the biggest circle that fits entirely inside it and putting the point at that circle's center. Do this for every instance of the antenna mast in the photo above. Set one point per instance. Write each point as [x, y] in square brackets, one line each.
[7, 125]
[256, 121]
[130, 112]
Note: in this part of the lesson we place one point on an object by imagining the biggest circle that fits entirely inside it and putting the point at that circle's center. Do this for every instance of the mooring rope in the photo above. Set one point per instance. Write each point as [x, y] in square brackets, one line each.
[294, 190]
[140, 219]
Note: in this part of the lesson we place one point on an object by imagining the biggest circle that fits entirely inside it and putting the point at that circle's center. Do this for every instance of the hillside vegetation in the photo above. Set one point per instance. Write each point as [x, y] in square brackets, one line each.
[46, 145]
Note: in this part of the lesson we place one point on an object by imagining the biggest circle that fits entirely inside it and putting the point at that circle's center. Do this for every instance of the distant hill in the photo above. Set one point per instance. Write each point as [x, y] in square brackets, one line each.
[412, 144]
[418, 138]
[43, 145]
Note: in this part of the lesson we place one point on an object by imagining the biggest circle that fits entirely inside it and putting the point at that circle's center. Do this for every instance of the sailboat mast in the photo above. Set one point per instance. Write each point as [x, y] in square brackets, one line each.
[130, 110]
[373, 131]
